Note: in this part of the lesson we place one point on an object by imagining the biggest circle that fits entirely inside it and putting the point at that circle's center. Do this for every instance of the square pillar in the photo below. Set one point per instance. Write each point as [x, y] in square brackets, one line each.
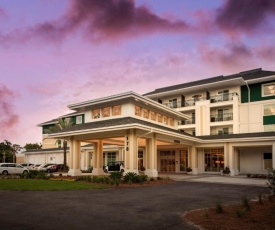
[98, 158]
[232, 159]
[75, 158]
[131, 151]
[193, 154]
[151, 157]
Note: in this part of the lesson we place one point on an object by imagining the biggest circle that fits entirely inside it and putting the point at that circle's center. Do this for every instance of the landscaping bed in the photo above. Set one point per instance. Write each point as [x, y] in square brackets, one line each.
[236, 217]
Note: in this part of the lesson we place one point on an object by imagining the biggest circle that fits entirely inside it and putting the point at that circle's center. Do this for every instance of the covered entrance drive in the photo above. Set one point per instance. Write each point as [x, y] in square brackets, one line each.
[138, 142]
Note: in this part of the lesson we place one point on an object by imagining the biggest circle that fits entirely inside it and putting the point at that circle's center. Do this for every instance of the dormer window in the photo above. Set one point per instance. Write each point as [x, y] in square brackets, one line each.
[268, 89]
[78, 120]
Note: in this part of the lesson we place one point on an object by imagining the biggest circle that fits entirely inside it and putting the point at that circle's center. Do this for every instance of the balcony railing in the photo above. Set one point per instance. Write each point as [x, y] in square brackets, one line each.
[187, 122]
[192, 102]
[221, 133]
[221, 117]
[222, 97]
[174, 104]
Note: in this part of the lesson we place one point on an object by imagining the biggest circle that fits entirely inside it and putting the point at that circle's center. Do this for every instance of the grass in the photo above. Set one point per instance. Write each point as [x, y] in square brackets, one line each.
[45, 185]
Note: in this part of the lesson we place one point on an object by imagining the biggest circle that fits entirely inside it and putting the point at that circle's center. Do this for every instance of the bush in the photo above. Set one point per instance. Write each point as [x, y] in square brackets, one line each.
[130, 177]
[95, 179]
[32, 174]
[152, 179]
[42, 175]
[240, 212]
[115, 175]
[245, 203]
[219, 208]
[271, 180]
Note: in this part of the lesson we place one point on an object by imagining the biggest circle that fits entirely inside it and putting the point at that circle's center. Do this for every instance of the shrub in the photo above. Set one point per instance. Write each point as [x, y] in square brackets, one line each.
[245, 203]
[95, 179]
[260, 196]
[115, 175]
[226, 170]
[41, 175]
[206, 213]
[219, 208]
[32, 174]
[152, 179]
[130, 177]
[240, 212]
[271, 180]
[248, 175]
[189, 169]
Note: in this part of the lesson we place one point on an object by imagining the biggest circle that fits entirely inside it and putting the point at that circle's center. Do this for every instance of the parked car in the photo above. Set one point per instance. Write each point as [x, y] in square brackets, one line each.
[114, 166]
[28, 165]
[44, 167]
[35, 167]
[12, 168]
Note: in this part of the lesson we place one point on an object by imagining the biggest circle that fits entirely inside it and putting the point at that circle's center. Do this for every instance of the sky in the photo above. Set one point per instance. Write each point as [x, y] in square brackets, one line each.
[55, 53]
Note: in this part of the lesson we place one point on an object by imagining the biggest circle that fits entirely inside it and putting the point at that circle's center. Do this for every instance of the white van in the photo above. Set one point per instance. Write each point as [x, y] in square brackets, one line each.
[12, 168]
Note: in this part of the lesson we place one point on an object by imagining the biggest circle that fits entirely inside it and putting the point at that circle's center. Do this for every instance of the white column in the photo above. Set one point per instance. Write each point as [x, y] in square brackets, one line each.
[75, 157]
[98, 158]
[131, 149]
[193, 154]
[231, 157]
[151, 153]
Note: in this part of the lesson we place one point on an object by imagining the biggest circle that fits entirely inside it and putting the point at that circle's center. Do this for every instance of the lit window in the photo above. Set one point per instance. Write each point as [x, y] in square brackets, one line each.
[269, 109]
[268, 89]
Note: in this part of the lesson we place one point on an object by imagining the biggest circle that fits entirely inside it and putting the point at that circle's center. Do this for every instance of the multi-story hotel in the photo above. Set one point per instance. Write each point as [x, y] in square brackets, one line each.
[206, 125]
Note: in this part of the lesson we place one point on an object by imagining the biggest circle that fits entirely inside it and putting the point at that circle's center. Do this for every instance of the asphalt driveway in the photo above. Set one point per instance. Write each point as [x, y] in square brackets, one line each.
[155, 207]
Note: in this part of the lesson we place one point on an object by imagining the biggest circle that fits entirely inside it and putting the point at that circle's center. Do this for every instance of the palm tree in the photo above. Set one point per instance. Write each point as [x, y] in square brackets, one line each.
[60, 126]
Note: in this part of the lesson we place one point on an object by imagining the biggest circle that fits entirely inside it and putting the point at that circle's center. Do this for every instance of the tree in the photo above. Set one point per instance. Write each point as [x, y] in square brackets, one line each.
[8, 151]
[29, 146]
[60, 126]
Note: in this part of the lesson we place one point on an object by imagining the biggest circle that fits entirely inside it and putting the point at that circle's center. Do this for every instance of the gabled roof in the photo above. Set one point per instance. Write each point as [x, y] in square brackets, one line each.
[242, 76]
[118, 122]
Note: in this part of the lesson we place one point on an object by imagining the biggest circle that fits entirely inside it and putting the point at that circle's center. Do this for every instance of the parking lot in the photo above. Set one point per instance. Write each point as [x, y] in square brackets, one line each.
[155, 207]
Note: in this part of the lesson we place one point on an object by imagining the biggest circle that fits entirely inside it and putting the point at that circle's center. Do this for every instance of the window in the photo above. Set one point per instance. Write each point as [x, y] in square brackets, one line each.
[111, 157]
[267, 161]
[269, 109]
[173, 103]
[78, 120]
[268, 89]
[223, 95]
[213, 160]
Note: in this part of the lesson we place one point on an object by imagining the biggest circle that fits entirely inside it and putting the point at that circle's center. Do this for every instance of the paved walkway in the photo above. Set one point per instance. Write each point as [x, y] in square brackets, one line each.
[238, 180]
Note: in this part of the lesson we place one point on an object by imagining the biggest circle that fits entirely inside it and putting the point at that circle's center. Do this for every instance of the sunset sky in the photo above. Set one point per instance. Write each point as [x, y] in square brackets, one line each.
[54, 53]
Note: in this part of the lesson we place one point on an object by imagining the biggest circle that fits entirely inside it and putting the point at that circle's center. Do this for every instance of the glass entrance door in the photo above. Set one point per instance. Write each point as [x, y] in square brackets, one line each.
[167, 161]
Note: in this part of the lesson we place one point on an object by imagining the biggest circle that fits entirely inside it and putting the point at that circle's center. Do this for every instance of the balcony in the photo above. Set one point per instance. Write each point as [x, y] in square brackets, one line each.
[222, 97]
[221, 133]
[174, 104]
[187, 122]
[221, 117]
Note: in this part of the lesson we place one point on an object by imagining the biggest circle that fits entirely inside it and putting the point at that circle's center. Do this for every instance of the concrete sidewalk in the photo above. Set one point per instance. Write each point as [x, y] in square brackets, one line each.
[238, 180]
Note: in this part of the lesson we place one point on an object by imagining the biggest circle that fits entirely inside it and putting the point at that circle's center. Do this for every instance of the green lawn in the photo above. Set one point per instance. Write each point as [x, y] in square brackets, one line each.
[45, 185]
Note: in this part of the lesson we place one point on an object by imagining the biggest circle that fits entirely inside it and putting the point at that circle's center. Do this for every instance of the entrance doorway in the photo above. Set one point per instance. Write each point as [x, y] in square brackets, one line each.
[167, 161]
[183, 160]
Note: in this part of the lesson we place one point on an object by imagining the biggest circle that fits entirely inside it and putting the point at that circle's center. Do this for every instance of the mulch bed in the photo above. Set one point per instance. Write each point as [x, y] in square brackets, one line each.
[260, 217]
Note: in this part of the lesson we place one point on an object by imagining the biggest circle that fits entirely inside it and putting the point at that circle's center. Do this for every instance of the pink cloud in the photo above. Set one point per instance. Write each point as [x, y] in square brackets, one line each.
[234, 56]
[266, 52]
[100, 20]
[8, 118]
[244, 15]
